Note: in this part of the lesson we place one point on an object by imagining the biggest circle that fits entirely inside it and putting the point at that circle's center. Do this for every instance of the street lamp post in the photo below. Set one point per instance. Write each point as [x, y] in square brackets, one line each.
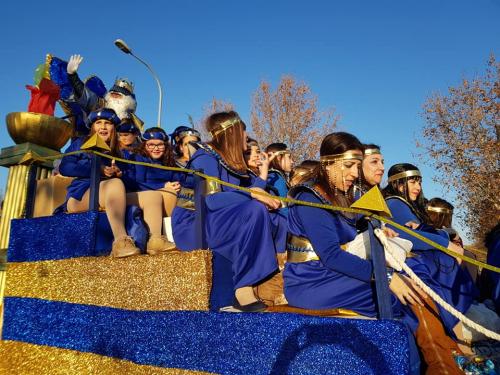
[126, 49]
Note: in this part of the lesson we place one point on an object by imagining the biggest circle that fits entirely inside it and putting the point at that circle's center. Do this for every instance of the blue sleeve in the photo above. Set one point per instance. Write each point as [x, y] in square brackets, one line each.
[259, 183]
[277, 181]
[78, 165]
[128, 176]
[210, 166]
[402, 214]
[321, 230]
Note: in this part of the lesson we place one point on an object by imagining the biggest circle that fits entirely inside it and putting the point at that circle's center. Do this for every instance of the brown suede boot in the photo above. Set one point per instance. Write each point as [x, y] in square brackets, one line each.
[436, 346]
[124, 247]
[159, 244]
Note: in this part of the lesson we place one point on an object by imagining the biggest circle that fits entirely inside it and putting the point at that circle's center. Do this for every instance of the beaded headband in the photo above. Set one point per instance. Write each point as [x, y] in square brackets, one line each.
[348, 155]
[372, 151]
[439, 210]
[406, 174]
[225, 125]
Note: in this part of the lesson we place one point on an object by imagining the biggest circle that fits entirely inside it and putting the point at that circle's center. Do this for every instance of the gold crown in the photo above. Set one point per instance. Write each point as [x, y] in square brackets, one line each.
[124, 83]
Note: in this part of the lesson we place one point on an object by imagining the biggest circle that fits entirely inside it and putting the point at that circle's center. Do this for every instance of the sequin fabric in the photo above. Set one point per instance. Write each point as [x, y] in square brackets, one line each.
[214, 342]
[171, 281]
[22, 358]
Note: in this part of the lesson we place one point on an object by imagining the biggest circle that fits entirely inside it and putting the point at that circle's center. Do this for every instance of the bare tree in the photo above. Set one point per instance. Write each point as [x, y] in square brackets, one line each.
[290, 115]
[461, 140]
[216, 105]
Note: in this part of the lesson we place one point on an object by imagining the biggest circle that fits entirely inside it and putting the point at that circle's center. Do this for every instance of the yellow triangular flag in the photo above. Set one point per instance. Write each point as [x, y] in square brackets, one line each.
[373, 201]
[30, 157]
[95, 143]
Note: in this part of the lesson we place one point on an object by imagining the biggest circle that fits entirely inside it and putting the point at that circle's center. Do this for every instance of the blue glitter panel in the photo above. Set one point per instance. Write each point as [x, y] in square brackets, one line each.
[228, 343]
[52, 237]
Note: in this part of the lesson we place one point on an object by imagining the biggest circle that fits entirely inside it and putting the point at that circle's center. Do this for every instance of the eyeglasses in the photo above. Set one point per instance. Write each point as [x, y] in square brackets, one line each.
[152, 146]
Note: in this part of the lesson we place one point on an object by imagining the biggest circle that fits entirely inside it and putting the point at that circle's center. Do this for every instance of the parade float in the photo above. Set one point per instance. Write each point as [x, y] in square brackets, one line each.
[69, 308]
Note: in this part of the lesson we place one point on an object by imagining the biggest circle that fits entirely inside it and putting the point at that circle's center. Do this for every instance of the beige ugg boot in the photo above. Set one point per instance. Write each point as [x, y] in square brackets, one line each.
[159, 244]
[124, 247]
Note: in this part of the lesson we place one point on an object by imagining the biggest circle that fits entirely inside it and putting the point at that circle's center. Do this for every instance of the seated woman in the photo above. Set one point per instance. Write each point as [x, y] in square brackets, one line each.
[405, 199]
[183, 215]
[281, 165]
[238, 224]
[373, 168]
[319, 274]
[127, 137]
[301, 170]
[112, 194]
[155, 149]
[440, 213]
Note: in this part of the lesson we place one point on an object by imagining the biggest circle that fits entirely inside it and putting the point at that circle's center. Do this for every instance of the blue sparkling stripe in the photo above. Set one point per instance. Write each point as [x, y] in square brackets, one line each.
[53, 237]
[214, 342]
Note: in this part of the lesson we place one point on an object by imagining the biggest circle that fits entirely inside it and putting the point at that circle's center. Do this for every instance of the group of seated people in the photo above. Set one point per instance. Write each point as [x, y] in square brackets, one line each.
[264, 238]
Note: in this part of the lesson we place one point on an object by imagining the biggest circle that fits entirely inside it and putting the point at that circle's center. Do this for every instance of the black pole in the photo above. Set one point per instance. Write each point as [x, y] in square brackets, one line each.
[200, 207]
[95, 180]
[31, 191]
[380, 273]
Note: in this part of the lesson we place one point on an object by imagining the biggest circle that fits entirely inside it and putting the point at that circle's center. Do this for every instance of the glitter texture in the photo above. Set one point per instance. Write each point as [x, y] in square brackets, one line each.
[23, 358]
[52, 237]
[172, 281]
[214, 342]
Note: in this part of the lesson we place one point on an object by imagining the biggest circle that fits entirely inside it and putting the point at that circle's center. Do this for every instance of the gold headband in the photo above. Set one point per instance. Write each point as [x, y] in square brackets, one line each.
[440, 210]
[372, 151]
[283, 152]
[397, 176]
[348, 155]
[225, 125]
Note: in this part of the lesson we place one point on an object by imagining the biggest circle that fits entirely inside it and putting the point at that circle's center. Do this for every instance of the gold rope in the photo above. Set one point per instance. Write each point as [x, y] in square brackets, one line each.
[292, 201]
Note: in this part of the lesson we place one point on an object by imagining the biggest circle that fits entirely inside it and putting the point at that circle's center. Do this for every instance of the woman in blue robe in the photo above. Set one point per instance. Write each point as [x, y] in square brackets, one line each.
[238, 225]
[281, 165]
[440, 271]
[183, 215]
[112, 192]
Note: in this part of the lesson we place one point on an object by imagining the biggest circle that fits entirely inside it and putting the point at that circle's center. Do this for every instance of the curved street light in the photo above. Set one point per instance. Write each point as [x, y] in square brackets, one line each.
[120, 43]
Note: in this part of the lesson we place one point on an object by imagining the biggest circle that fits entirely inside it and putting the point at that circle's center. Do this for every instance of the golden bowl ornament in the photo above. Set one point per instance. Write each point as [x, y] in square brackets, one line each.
[40, 129]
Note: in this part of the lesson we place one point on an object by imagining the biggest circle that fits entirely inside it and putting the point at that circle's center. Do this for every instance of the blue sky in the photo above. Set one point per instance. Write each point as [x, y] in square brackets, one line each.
[374, 61]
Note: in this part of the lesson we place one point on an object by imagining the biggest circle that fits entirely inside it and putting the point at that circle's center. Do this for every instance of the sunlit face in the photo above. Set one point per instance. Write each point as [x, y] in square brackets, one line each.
[184, 146]
[373, 169]
[414, 186]
[126, 139]
[344, 173]
[254, 157]
[104, 129]
[155, 148]
[286, 163]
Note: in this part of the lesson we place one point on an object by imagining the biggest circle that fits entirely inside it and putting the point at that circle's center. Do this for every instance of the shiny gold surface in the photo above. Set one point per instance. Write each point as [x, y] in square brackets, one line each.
[24, 358]
[300, 256]
[40, 129]
[96, 143]
[406, 174]
[172, 281]
[212, 187]
[373, 201]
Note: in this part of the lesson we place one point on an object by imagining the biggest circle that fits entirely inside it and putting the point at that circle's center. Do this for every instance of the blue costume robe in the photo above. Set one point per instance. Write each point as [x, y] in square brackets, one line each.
[490, 281]
[79, 166]
[141, 178]
[183, 216]
[437, 269]
[238, 227]
[339, 279]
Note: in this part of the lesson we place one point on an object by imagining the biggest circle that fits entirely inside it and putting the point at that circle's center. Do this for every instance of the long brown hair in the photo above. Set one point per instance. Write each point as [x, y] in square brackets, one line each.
[114, 143]
[444, 217]
[167, 159]
[332, 144]
[229, 142]
[276, 162]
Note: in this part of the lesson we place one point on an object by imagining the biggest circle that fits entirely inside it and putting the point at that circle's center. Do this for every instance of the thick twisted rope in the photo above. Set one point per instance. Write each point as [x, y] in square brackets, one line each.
[436, 297]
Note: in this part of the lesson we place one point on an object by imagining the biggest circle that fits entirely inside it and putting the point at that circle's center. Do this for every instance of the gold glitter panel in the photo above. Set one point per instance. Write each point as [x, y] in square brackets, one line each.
[23, 359]
[172, 281]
